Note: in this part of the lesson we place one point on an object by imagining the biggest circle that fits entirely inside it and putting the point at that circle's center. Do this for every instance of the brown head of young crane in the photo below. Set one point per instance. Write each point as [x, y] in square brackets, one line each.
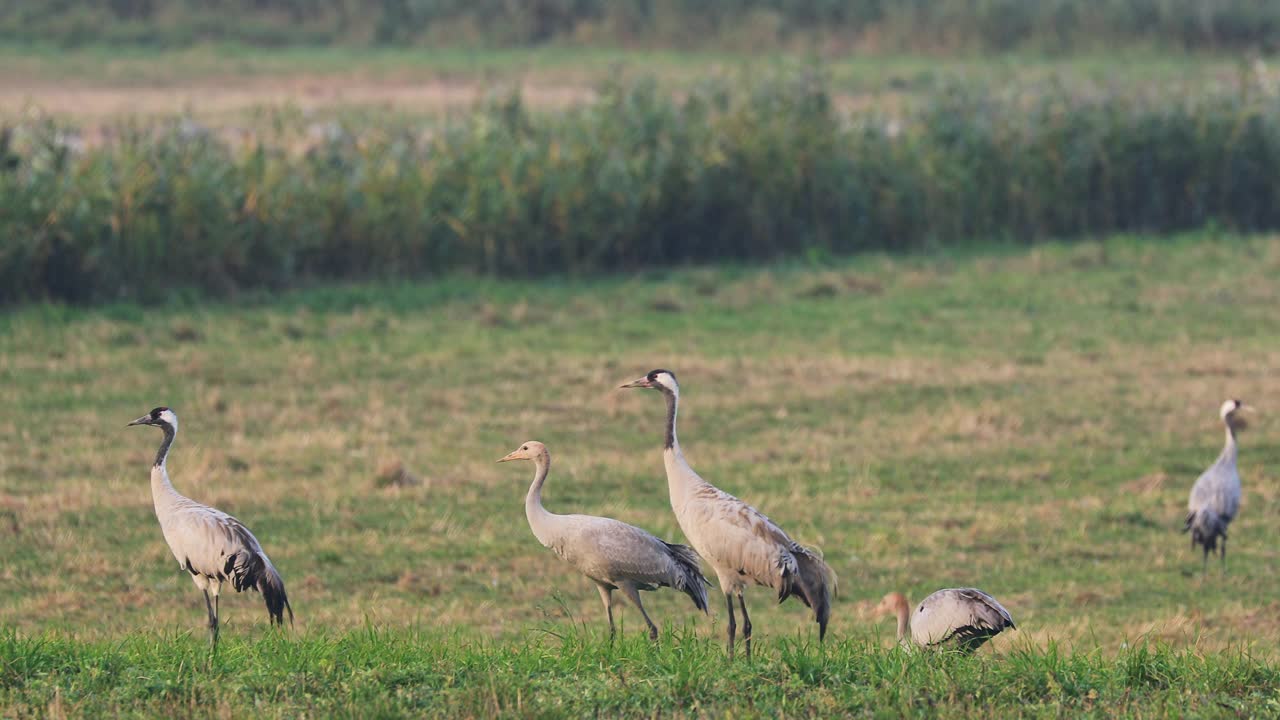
[613, 554]
[212, 546]
[741, 544]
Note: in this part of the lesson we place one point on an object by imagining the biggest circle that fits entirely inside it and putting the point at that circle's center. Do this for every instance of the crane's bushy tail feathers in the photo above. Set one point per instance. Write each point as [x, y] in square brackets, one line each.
[271, 585]
[1206, 527]
[815, 583]
[254, 571]
[690, 579]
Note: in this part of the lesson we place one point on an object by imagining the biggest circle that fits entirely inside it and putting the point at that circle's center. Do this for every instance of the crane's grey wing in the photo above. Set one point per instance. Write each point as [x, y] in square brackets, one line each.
[1217, 488]
[212, 543]
[612, 552]
[747, 541]
[1214, 500]
[966, 616]
[608, 549]
[1204, 493]
[991, 612]
[743, 538]
[1230, 493]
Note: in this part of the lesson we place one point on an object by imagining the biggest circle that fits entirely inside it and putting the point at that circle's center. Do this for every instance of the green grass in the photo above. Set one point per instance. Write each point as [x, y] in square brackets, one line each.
[1024, 421]
[376, 673]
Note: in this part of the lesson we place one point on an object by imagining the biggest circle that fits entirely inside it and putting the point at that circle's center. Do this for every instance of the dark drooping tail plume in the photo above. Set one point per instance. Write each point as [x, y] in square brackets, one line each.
[271, 585]
[252, 570]
[1206, 527]
[691, 581]
[814, 584]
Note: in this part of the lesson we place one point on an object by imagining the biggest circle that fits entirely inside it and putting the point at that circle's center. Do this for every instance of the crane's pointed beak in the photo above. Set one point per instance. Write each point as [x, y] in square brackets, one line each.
[144, 420]
[510, 456]
[641, 383]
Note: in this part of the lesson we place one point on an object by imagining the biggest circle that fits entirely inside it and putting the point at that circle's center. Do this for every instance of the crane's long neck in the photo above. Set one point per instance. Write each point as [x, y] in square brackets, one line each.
[163, 453]
[161, 489]
[673, 400]
[680, 477]
[904, 622]
[540, 520]
[1229, 449]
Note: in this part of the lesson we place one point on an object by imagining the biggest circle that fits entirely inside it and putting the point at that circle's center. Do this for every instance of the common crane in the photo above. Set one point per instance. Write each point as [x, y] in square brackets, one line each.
[740, 543]
[613, 554]
[1215, 498]
[964, 618]
[209, 544]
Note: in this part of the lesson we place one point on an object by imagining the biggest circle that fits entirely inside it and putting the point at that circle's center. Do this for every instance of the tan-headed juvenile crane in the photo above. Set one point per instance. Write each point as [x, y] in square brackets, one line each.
[741, 544]
[613, 554]
[208, 543]
[963, 618]
[1215, 498]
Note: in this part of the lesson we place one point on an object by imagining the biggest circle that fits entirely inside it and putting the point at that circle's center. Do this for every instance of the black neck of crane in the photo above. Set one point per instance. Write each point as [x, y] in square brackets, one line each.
[164, 446]
[671, 419]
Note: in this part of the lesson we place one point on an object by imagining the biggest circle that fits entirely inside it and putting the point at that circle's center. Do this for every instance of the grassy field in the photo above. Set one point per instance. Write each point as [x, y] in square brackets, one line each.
[375, 673]
[1028, 422]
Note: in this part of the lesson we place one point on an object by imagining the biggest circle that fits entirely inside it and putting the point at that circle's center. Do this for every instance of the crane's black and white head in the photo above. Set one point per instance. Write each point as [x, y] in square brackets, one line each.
[1229, 408]
[1230, 414]
[162, 417]
[530, 450]
[659, 379]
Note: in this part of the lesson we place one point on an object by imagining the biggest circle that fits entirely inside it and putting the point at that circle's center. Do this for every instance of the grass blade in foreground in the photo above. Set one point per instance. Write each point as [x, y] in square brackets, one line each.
[372, 672]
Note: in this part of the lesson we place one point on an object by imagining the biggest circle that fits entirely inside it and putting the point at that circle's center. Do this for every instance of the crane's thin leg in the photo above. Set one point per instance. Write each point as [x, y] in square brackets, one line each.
[1204, 567]
[733, 624]
[211, 606]
[606, 597]
[746, 623]
[208, 605]
[1223, 550]
[629, 589]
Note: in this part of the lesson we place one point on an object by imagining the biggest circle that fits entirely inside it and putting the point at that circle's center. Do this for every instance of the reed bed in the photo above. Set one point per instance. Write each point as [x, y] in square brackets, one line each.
[729, 171]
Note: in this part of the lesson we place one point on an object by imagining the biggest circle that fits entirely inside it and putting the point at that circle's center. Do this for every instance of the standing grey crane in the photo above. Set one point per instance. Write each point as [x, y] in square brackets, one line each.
[739, 541]
[208, 543]
[1215, 498]
[615, 555]
[963, 617]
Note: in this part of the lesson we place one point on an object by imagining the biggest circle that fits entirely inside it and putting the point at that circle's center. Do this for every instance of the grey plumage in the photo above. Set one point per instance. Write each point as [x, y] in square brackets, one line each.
[741, 544]
[963, 618]
[1215, 497]
[613, 554]
[210, 545]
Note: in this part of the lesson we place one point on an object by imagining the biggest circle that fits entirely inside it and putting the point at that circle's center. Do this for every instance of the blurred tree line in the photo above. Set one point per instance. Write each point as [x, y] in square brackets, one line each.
[831, 25]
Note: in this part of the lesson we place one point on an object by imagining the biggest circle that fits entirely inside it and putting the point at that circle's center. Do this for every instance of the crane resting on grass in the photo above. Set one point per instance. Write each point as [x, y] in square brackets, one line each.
[963, 618]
